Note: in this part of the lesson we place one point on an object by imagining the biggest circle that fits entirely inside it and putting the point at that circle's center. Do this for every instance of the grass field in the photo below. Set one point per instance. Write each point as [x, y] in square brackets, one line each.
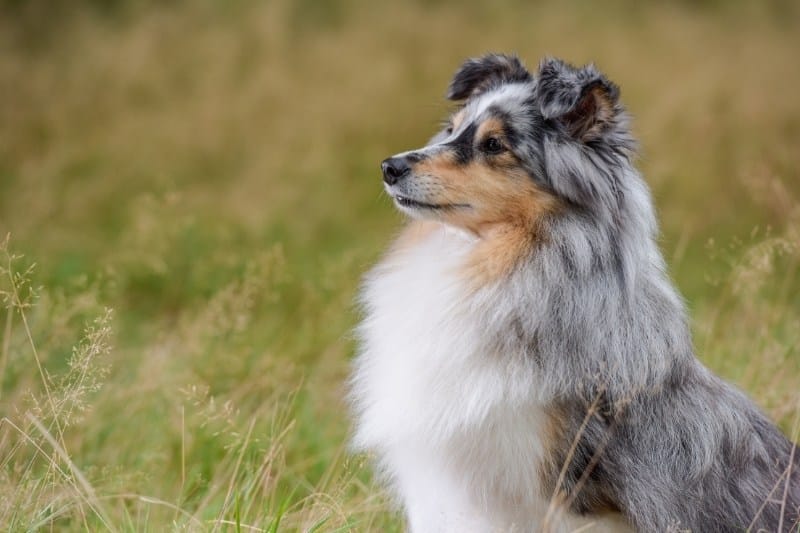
[192, 191]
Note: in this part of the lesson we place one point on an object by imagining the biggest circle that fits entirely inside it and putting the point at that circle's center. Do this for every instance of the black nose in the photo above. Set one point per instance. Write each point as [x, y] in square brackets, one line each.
[394, 169]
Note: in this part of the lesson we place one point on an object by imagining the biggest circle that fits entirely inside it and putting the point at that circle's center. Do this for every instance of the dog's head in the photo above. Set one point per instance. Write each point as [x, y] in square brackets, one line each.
[519, 146]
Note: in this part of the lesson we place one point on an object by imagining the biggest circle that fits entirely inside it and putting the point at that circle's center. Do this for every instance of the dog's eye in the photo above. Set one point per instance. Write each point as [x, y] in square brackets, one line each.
[449, 129]
[492, 145]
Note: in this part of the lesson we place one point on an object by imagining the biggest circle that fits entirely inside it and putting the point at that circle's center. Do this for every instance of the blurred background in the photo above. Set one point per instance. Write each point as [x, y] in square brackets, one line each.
[192, 192]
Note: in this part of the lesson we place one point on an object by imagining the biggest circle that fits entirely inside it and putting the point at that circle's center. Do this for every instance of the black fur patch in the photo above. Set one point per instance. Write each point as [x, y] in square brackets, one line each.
[416, 157]
[480, 74]
[463, 145]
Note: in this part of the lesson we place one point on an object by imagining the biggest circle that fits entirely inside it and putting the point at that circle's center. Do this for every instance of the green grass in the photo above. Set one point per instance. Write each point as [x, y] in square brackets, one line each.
[208, 171]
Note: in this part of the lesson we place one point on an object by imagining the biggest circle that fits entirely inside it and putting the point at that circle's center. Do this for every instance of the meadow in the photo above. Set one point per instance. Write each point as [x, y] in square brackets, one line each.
[191, 192]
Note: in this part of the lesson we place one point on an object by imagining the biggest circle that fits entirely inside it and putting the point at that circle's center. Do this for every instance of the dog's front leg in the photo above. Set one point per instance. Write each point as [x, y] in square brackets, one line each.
[434, 500]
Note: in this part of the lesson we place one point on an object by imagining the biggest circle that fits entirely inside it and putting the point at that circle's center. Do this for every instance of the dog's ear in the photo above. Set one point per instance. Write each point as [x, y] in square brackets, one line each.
[477, 75]
[581, 99]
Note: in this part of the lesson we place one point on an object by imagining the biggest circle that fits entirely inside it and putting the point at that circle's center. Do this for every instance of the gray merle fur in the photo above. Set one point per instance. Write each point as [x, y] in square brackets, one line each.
[672, 446]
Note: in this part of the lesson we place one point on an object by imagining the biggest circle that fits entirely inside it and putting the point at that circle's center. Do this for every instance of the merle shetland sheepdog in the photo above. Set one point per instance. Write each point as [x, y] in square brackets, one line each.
[525, 363]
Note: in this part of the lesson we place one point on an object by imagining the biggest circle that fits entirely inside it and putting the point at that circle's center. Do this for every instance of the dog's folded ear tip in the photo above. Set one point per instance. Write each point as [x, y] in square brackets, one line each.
[583, 99]
[478, 74]
[601, 86]
[455, 92]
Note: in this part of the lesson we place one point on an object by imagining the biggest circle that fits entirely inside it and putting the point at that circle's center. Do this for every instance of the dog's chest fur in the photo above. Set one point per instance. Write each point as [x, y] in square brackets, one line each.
[427, 371]
[456, 422]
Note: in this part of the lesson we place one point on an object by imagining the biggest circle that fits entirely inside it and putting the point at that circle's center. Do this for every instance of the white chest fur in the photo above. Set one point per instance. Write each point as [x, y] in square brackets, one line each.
[426, 371]
[457, 427]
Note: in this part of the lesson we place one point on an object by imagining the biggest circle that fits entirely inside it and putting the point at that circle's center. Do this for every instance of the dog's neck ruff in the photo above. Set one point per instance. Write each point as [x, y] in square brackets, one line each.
[450, 408]
[425, 329]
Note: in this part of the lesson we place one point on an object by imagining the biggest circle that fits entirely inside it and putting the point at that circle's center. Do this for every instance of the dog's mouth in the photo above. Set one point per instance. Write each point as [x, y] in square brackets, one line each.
[407, 202]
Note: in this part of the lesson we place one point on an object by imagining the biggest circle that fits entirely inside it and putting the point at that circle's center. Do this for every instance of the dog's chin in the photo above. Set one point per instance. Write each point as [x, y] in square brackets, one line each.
[408, 203]
[421, 209]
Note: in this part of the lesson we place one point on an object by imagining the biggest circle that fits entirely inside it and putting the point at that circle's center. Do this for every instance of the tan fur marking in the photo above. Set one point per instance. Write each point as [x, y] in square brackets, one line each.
[555, 439]
[489, 127]
[497, 254]
[505, 209]
[498, 194]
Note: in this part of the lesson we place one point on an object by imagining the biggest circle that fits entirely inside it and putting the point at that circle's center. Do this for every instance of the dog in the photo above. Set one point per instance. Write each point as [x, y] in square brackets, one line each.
[524, 361]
